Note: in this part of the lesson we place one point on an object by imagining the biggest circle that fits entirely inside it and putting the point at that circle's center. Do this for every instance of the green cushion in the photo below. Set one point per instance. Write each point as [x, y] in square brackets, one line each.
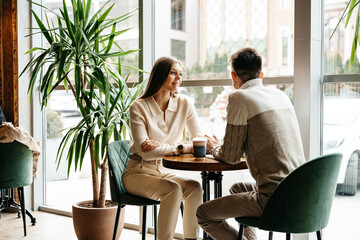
[129, 199]
[118, 154]
[248, 221]
[302, 201]
[16, 165]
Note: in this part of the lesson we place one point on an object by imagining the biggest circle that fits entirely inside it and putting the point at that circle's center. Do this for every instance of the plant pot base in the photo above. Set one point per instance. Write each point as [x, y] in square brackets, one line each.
[96, 223]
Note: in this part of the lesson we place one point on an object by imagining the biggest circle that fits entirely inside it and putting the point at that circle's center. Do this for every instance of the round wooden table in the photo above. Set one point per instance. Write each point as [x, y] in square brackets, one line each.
[210, 168]
[190, 163]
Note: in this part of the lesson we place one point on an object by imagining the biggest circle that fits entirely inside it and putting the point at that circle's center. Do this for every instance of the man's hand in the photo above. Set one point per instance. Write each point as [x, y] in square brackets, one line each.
[149, 144]
[211, 142]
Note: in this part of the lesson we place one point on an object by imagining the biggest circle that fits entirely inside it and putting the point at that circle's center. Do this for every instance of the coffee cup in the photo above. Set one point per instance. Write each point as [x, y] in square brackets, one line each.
[199, 146]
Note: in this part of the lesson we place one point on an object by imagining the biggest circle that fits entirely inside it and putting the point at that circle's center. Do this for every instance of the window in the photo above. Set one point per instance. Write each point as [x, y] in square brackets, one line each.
[178, 15]
[285, 48]
[341, 125]
[285, 4]
[61, 189]
[219, 28]
[178, 49]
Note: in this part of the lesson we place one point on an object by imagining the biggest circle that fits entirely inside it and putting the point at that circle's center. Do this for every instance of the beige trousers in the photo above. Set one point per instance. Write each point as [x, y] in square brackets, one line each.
[243, 201]
[151, 180]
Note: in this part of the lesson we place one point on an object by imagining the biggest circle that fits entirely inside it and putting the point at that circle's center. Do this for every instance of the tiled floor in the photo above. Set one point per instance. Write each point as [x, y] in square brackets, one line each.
[48, 227]
[344, 224]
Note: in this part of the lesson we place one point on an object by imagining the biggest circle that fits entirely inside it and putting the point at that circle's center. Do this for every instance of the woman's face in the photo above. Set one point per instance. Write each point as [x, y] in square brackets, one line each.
[173, 80]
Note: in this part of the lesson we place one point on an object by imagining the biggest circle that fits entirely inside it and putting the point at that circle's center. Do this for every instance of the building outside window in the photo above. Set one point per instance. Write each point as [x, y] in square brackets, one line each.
[178, 49]
[178, 15]
[285, 48]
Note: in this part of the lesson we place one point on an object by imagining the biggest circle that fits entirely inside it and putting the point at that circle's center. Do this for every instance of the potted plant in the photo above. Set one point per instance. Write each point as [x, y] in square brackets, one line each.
[81, 57]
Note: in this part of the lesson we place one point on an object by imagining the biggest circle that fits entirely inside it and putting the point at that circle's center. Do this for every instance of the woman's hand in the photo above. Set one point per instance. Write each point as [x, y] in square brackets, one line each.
[149, 144]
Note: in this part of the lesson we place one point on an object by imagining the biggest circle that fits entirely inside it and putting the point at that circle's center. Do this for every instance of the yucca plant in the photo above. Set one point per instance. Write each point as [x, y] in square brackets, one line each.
[81, 57]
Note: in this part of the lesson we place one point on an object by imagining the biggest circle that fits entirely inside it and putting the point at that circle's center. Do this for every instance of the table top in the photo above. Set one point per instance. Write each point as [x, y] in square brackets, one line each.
[208, 163]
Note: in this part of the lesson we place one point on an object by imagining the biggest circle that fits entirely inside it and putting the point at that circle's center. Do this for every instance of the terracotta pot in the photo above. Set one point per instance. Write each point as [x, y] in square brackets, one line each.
[96, 223]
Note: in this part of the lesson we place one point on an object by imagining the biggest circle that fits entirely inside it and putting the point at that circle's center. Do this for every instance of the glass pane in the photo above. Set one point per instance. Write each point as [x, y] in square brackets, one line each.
[341, 133]
[338, 47]
[217, 28]
[128, 40]
[62, 190]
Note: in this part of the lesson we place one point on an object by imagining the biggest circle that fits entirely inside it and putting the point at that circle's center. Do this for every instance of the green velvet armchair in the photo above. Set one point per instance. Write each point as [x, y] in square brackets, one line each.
[16, 171]
[302, 201]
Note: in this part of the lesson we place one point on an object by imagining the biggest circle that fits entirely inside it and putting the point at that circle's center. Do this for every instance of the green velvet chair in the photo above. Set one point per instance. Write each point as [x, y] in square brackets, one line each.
[302, 201]
[16, 171]
[118, 154]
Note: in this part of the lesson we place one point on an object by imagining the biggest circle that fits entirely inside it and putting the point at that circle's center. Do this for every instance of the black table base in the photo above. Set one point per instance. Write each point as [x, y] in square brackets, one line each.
[206, 178]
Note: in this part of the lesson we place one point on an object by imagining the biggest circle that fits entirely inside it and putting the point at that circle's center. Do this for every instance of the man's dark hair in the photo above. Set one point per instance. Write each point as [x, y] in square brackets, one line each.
[246, 62]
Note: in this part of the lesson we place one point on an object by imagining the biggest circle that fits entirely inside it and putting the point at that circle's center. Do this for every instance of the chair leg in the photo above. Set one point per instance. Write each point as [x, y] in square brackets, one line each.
[288, 236]
[270, 235]
[182, 209]
[241, 232]
[144, 223]
[22, 205]
[318, 234]
[116, 221]
[2, 200]
[155, 222]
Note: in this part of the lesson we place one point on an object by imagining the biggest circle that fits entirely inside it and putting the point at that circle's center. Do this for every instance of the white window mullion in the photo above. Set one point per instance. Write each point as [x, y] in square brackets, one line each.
[307, 77]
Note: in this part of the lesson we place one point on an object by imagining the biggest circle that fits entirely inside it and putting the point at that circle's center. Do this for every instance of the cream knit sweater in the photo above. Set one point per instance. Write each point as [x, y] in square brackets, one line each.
[262, 124]
[147, 121]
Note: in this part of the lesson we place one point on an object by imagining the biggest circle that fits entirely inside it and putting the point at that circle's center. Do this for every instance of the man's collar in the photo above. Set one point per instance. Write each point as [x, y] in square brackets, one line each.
[155, 109]
[251, 83]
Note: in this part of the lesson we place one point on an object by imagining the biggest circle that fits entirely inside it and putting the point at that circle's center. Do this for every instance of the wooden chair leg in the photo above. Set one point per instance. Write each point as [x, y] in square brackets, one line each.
[22, 205]
[318, 234]
[116, 221]
[270, 235]
[288, 236]
[144, 229]
[155, 222]
[241, 232]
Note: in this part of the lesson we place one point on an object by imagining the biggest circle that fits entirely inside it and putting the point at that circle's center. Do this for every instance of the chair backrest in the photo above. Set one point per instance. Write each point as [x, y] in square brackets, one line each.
[302, 201]
[16, 165]
[118, 156]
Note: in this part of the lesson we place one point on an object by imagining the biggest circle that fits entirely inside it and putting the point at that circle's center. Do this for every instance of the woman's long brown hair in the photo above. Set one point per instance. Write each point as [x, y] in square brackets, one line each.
[158, 75]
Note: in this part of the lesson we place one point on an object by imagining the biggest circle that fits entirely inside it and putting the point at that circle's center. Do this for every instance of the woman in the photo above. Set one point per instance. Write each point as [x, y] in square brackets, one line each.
[157, 122]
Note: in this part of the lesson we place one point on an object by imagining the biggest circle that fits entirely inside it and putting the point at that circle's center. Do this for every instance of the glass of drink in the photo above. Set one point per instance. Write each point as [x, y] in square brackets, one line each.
[199, 146]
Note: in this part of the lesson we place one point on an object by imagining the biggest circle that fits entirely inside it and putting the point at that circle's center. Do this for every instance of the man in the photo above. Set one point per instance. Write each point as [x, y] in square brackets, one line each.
[261, 123]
